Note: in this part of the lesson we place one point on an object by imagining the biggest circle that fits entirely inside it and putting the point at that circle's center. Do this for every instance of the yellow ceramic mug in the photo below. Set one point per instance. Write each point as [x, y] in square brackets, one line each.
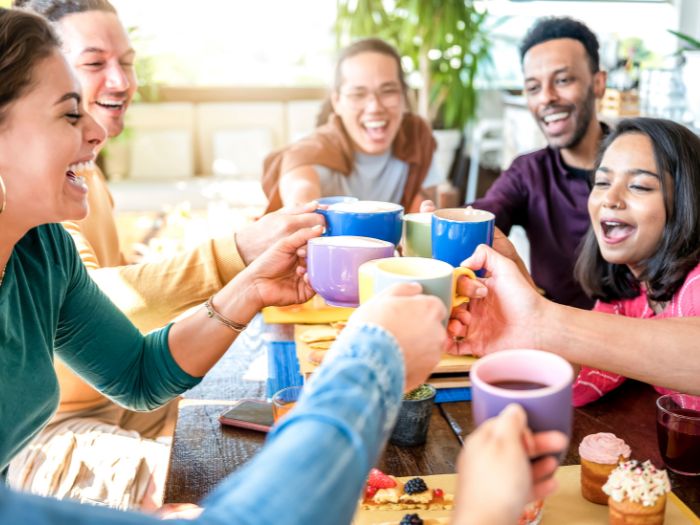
[437, 278]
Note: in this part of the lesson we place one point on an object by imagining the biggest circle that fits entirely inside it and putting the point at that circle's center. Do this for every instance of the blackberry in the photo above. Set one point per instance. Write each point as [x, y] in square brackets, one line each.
[415, 486]
[411, 519]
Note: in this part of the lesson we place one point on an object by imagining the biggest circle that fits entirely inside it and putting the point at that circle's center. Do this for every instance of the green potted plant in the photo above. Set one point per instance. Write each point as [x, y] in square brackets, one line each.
[691, 73]
[443, 44]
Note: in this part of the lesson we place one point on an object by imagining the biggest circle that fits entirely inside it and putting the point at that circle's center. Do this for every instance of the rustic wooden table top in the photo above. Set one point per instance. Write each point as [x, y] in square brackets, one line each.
[204, 452]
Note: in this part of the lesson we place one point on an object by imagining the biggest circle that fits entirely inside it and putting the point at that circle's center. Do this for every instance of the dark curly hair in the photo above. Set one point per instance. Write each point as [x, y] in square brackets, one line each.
[678, 252]
[54, 10]
[25, 40]
[552, 28]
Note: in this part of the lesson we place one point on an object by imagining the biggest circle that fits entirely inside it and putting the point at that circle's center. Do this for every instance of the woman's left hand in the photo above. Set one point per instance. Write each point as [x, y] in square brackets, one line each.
[277, 277]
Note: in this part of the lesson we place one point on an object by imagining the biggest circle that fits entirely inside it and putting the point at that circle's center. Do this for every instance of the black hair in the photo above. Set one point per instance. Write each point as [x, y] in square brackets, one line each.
[25, 40]
[54, 10]
[676, 152]
[553, 28]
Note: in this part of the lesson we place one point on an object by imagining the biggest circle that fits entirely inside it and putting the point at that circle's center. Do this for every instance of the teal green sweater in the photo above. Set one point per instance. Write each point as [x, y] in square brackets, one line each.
[48, 304]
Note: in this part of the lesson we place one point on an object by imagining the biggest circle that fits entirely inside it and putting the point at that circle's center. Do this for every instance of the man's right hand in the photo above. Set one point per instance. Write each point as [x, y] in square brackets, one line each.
[255, 238]
[415, 320]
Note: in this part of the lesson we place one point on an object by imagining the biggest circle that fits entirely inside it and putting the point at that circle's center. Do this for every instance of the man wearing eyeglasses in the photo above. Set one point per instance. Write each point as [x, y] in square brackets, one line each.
[368, 144]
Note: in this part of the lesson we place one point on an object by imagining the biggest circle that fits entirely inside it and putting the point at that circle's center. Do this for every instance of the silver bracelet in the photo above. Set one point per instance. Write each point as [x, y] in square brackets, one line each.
[212, 313]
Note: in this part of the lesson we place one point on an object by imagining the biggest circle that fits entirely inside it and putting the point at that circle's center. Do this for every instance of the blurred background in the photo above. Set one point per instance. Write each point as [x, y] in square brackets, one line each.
[225, 82]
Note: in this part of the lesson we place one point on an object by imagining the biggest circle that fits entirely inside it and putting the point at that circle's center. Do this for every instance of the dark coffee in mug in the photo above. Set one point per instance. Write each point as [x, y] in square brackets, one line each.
[517, 384]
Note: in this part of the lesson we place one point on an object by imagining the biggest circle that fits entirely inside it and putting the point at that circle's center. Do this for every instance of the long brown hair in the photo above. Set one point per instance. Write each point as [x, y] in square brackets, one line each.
[366, 45]
[25, 40]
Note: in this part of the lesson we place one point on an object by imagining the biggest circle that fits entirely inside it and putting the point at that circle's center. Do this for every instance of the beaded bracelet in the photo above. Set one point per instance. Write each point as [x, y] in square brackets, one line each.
[212, 313]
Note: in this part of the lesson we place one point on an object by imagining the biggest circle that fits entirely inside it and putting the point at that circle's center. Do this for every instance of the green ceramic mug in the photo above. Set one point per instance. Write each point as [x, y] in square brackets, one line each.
[417, 235]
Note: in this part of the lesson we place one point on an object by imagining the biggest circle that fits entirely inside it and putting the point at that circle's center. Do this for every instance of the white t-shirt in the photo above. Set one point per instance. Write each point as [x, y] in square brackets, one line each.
[374, 177]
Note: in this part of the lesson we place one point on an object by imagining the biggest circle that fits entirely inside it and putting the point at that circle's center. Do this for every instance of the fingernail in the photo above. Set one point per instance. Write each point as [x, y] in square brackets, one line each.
[481, 292]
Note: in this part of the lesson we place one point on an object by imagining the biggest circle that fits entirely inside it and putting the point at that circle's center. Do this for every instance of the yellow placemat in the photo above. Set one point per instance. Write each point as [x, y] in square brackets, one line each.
[315, 310]
[448, 363]
[564, 506]
[568, 506]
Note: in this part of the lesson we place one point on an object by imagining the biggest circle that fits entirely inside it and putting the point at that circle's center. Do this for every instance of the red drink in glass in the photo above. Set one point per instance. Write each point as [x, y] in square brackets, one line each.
[678, 431]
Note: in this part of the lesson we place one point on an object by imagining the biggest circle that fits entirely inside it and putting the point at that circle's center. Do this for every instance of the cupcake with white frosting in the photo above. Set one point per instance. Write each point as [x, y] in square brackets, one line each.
[637, 494]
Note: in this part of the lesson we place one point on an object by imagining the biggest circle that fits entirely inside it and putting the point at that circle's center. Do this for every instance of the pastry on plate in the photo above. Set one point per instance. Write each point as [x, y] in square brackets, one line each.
[600, 455]
[637, 494]
[415, 519]
[321, 345]
[321, 333]
[384, 492]
[316, 357]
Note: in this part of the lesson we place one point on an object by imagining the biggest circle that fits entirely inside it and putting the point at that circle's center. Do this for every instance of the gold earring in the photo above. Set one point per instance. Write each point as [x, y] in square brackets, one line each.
[4, 195]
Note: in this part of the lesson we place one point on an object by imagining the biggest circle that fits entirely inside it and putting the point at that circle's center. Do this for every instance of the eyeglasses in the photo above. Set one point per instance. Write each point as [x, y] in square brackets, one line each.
[389, 97]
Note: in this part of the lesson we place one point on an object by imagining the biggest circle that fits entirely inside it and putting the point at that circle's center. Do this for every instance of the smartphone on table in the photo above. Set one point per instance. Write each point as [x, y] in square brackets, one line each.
[254, 414]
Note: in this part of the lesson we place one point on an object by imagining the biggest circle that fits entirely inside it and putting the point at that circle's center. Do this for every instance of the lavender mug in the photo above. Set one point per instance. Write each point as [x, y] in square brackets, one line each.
[333, 262]
[538, 381]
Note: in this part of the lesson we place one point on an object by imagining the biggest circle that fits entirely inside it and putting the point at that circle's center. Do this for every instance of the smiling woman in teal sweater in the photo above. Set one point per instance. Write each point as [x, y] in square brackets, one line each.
[48, 303]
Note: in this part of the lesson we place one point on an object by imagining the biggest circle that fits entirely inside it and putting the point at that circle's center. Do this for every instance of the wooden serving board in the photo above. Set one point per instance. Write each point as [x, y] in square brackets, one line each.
[566, 505]
[448, 363]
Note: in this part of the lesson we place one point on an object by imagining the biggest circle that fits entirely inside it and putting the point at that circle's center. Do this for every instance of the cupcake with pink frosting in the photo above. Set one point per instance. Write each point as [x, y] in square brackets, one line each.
[600, 454]
[637, 494]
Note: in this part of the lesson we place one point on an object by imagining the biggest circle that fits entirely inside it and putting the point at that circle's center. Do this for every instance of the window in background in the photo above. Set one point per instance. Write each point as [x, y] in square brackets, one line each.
[234, 42]
[283, 43]
[645, 20]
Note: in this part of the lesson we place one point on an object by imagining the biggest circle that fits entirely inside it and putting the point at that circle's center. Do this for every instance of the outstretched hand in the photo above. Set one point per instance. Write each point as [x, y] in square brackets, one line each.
[415, 321]
[502, 310]
[253, 239]
[277, 276]
[496, 477]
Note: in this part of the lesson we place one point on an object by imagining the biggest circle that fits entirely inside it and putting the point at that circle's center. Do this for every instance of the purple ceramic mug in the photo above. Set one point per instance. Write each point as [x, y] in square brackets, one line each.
[538, 381]
[332, 264]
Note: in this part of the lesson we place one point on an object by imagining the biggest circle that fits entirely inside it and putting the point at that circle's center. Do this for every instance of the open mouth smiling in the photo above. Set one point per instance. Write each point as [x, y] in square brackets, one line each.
[615, 229]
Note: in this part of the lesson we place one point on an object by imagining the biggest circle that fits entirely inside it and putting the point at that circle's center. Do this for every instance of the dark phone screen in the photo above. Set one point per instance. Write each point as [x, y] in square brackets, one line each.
[258, 412]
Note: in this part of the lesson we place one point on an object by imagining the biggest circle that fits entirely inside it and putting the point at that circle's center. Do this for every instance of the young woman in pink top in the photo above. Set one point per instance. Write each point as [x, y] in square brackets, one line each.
[641, 257]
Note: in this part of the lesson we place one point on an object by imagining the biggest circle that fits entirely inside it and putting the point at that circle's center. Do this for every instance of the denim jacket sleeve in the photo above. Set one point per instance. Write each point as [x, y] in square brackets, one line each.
[315, 462]
[313, 467]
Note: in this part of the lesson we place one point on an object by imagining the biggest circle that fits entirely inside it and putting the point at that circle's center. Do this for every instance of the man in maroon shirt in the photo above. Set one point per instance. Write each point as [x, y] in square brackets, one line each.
[546, 192]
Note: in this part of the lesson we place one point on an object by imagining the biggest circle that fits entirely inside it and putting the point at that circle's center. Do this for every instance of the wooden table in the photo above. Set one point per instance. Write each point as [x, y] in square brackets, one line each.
[204, 452]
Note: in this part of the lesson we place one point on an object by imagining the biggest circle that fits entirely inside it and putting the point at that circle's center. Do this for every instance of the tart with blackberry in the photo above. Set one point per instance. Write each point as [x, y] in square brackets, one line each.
[384, 492]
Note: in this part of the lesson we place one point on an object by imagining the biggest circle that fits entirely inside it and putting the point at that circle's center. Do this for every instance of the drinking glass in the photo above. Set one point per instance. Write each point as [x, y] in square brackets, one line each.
[678, 431]
[284, 400]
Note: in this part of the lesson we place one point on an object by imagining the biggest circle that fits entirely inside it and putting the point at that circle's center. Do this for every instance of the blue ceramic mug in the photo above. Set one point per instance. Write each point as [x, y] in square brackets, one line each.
[456, 232]
[379, 220]
[335, 199]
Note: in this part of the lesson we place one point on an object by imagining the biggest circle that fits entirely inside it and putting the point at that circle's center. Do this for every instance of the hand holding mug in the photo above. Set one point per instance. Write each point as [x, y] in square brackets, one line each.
[253, 239]
[496, 478]
[415, 320]
[504, 309]
[276, 278]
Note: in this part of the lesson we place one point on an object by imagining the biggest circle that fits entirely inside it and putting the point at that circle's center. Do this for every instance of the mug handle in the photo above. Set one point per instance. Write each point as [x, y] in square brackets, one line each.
[458, 272]
[327, 228]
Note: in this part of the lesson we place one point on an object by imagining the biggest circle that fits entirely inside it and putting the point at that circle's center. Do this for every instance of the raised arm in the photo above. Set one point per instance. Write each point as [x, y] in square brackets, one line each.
[299, 186]
[315, 462]
[512, 314]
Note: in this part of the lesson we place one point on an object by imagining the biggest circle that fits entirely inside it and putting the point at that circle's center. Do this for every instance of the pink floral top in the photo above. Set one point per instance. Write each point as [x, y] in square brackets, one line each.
[592, 384]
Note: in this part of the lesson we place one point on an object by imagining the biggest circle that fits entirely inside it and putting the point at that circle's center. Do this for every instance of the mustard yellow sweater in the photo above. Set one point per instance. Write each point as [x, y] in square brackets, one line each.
[150, 294]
